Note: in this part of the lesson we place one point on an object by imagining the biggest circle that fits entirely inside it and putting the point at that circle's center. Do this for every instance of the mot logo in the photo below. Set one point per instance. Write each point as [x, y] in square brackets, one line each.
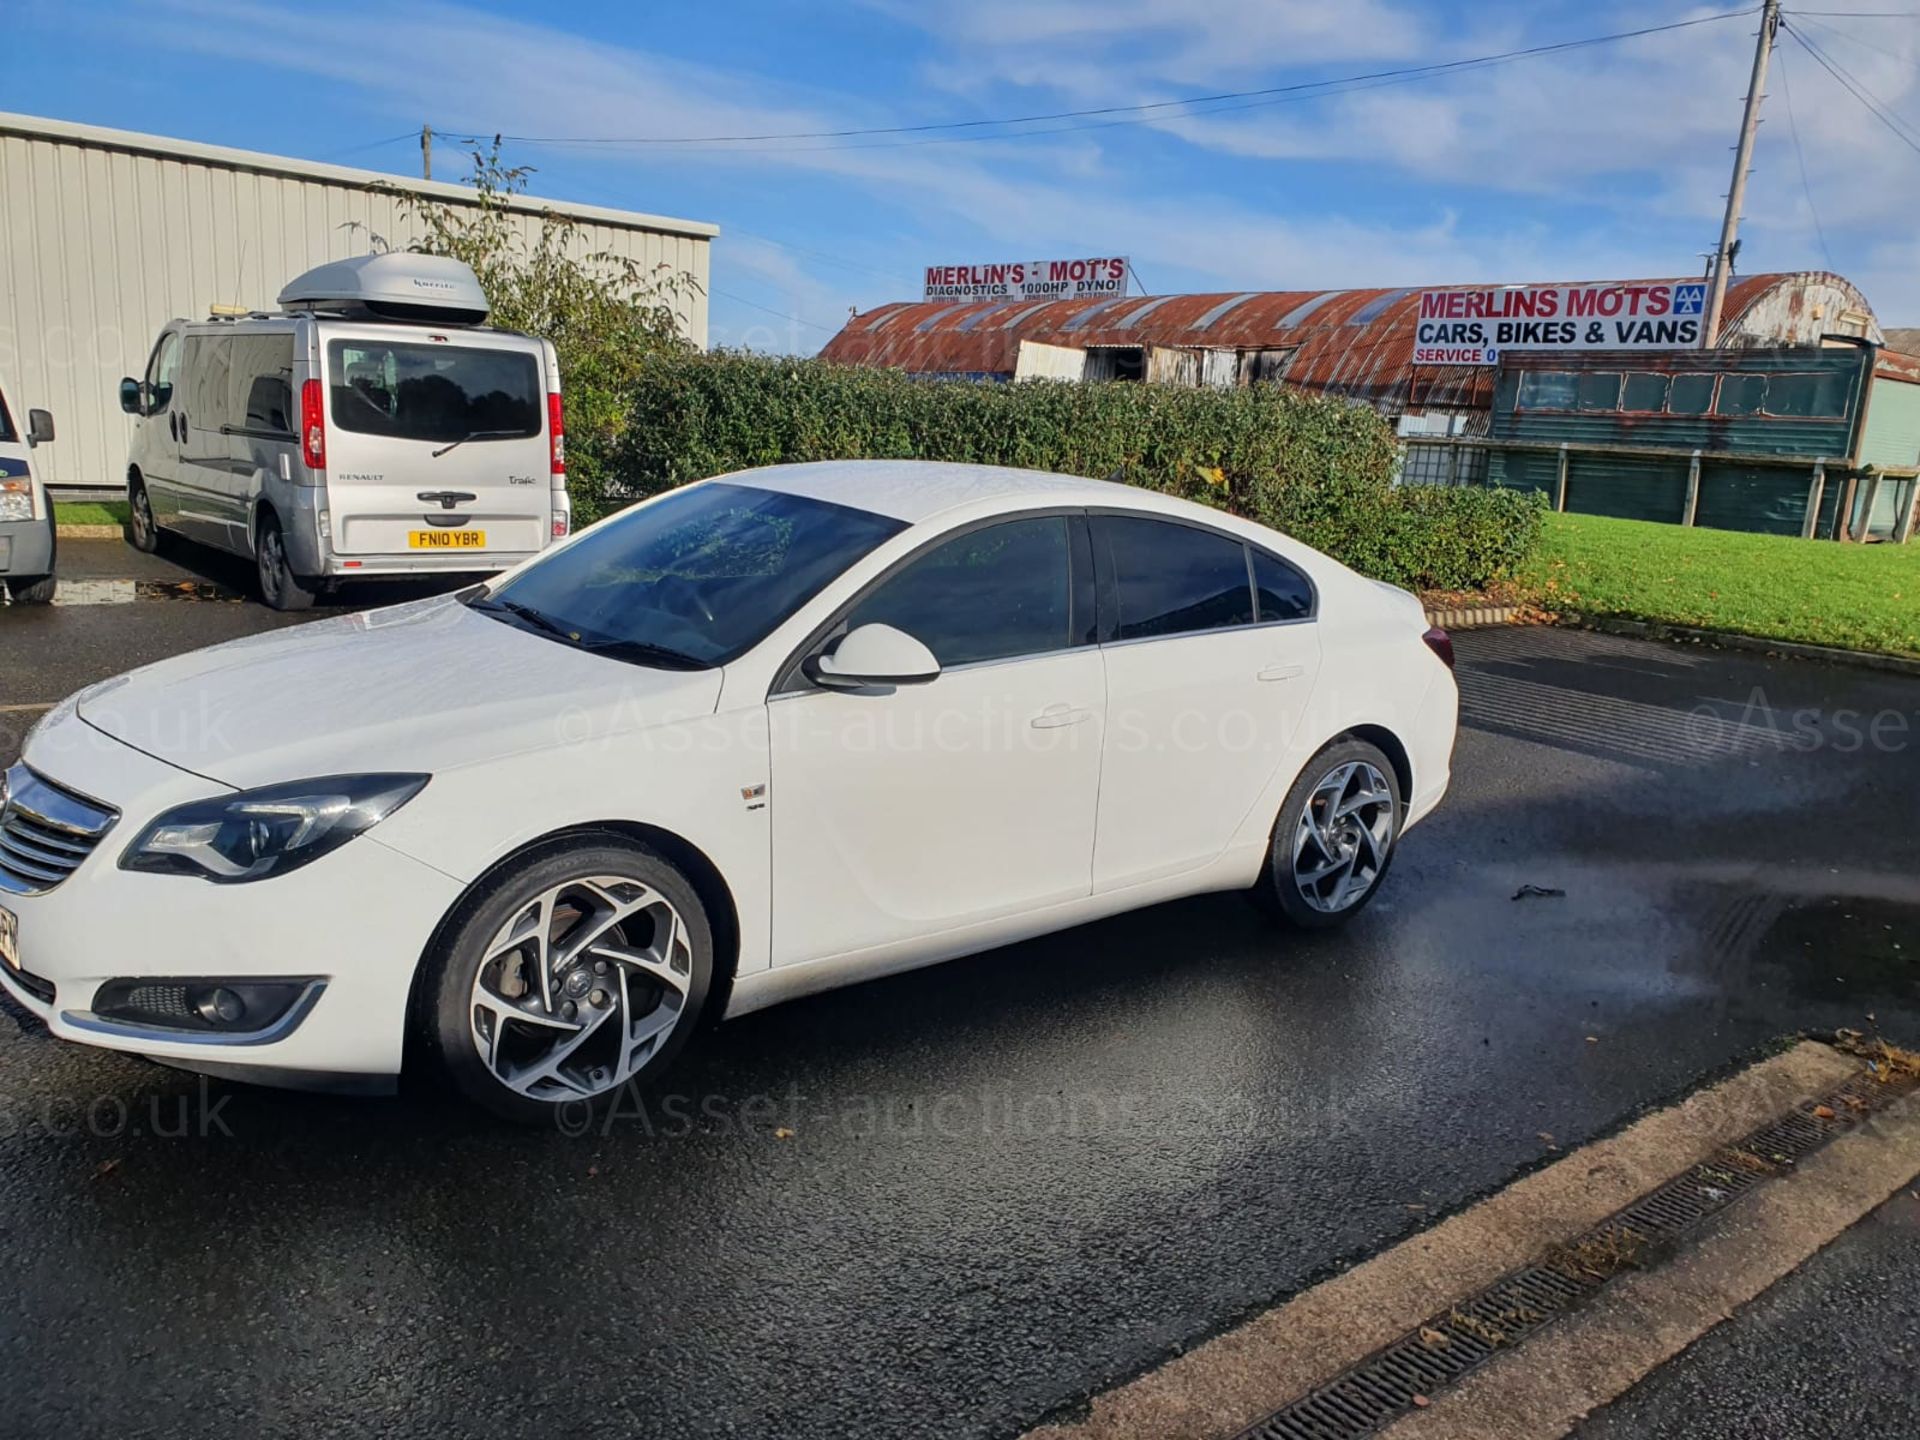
[1690, 299]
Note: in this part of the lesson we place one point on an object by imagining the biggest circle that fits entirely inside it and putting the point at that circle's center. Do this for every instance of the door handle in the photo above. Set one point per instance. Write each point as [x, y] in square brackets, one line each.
[1055, 716]
[1282, 672]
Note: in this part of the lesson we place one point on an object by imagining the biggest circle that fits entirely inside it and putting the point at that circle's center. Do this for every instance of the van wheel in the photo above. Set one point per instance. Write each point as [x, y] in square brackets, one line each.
[40, 592]
[279, 586]
[141, 531]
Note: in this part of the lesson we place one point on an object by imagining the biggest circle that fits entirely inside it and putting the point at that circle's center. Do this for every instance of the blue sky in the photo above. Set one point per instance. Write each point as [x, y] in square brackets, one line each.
[1607, 162]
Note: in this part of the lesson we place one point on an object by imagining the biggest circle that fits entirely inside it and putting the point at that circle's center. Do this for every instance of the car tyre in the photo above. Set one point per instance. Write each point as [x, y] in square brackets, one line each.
[142, 531]
[35, 592]
[279, 586]
[1334, 841]
[625, 996]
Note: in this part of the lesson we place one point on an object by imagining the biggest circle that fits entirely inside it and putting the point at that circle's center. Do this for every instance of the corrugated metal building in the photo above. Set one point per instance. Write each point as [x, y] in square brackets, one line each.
[1785, 441]
[1354, 343]
[108, 234]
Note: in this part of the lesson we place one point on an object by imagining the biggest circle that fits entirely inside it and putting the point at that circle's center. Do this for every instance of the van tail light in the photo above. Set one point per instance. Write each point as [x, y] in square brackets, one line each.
[313, 426]
[557, 432]
[1441, 644]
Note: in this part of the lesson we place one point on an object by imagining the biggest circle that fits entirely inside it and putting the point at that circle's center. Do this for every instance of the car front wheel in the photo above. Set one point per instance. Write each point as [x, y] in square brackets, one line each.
[576, 973]
[1335, 838]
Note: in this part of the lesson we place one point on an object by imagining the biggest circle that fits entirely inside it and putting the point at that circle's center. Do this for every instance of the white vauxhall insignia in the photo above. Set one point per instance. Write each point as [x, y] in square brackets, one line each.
[761, 736]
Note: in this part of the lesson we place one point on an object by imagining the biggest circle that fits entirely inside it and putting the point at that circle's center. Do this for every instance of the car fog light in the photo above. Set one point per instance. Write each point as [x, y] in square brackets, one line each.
[200, 1007]
[219, 1006]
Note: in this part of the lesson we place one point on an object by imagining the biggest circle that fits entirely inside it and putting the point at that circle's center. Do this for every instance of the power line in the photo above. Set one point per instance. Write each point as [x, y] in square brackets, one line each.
[1793, 129]
[777, 314]
[1853, 87]
[370, 145]
[1145, 113]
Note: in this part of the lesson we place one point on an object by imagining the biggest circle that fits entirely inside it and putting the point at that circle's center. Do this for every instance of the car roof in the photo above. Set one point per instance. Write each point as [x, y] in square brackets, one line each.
[917, 490]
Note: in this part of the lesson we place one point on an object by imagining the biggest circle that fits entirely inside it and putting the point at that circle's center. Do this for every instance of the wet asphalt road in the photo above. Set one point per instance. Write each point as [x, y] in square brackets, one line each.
[951, 1202]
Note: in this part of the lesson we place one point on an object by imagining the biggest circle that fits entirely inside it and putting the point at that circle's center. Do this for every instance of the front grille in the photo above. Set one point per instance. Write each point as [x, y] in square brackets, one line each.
[45, 832]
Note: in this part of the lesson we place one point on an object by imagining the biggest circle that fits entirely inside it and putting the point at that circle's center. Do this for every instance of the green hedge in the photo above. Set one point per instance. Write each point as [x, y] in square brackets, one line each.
[1316, 468]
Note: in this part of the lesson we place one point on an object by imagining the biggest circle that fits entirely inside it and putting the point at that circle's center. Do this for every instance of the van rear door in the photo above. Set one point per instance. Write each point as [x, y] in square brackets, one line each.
[436, 442]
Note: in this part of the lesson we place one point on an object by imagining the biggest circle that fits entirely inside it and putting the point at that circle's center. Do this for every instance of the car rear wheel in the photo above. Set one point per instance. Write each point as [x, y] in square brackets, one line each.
[575, 974]
[279, 586]
[1335, 838]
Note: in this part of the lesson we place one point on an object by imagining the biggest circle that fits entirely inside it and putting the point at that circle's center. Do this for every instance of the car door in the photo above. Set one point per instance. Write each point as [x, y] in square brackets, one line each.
[203, 473]
[157, 445]
[901, 813]
[1208, 676]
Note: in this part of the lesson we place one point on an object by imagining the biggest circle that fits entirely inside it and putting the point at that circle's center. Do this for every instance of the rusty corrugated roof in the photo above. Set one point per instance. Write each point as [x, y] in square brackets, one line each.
[1356, 343]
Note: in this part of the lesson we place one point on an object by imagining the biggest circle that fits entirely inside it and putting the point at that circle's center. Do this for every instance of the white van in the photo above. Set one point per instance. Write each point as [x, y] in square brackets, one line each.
[27, 535]
[372, 427]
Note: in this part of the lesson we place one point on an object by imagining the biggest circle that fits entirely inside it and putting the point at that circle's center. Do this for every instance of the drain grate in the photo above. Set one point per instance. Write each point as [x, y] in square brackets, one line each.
[1380, 1389]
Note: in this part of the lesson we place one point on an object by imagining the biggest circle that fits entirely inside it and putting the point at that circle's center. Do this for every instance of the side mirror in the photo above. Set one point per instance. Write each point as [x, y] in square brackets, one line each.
[39, 427]
[130, 396]
[873, 655]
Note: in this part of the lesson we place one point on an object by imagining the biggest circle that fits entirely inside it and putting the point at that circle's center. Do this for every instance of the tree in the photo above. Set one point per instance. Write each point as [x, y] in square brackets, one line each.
[604, 313]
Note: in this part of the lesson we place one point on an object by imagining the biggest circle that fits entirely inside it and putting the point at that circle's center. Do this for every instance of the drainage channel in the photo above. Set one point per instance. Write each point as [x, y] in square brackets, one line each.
[1399, 1378]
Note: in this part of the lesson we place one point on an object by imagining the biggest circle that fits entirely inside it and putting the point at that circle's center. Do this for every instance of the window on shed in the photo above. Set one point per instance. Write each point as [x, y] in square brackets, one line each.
[1820, 395]
[1741, 395]
[1548, 389]
[1644, 391]
[1600, 390]
[1690, 395]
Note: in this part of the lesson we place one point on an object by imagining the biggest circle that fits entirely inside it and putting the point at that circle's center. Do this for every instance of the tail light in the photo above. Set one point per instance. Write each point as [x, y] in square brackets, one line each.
[313, 426]
[1441, 644]
[557, 432]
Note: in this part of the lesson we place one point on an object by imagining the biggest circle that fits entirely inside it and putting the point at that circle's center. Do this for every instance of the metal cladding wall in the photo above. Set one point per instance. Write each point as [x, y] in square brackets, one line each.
[1733, 496]
[108, 234]
[1353, 343]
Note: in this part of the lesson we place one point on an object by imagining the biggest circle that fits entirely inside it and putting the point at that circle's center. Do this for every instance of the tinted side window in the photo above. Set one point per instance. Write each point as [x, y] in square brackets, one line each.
[1173, 579]
[208, 362]
[260, 395]
[1280, 592]
[987, 595]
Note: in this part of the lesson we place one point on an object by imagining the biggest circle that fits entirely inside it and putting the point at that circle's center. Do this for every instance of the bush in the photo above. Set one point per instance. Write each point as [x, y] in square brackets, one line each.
[1317, 468]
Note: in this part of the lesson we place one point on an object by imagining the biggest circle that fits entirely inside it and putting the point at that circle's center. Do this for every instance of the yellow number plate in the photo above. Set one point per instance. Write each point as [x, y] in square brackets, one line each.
[446, 539]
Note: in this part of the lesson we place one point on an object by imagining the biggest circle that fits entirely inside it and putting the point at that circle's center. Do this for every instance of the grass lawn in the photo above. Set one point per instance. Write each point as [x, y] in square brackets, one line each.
[1859, 597]
[74, 512]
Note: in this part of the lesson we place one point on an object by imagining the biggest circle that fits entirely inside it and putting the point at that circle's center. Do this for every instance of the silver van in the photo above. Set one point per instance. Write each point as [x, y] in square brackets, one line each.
[374, 426]
[27, 543]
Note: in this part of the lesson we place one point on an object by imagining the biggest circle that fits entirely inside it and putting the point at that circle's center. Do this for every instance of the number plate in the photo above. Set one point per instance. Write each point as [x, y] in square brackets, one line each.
[9, 938]
[448, 539]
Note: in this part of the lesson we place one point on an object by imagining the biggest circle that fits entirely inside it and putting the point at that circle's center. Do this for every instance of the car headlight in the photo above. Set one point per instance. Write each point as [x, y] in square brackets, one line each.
[269, 831]
[16, 500]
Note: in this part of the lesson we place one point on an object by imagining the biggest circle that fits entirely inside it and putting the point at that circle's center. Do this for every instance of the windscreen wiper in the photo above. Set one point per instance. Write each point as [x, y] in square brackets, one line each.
[538, 619]
[645, 652]
[476, 435]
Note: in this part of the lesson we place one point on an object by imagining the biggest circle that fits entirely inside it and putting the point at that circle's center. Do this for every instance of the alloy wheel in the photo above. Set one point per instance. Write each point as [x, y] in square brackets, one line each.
[142, 517]
[273, 562]
[1345, 832]
[581, 988]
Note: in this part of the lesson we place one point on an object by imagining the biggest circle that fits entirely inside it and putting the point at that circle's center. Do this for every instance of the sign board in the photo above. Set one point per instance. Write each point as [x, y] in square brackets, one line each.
[1475, 327]
[1101, 275]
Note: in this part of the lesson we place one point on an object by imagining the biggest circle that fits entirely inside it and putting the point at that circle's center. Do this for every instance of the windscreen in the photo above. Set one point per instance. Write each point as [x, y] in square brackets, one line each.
[419, 390]
[694, 579]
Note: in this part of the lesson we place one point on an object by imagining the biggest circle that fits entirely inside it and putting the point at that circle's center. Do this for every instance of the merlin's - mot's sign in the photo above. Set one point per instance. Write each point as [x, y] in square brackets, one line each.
[1104, 275]
[1473, 327]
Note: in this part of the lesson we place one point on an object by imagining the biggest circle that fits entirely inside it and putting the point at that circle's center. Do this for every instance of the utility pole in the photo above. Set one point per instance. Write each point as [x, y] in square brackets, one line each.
[426, 152]
[1742, 161]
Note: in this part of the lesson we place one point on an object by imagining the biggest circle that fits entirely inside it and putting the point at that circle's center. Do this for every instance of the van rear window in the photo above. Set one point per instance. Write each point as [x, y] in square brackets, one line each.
[422, 391]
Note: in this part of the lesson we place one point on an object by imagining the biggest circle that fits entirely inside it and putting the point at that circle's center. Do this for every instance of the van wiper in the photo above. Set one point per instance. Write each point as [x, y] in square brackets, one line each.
[538, 619]
[644, 652]
[476, 435]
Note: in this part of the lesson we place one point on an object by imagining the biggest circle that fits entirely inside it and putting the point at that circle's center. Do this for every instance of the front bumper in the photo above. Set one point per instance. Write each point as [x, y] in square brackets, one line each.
[26, 548]
[357, 921]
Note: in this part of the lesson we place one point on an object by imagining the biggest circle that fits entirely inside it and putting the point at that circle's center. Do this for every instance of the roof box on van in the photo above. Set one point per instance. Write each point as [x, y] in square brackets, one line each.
[398, 286]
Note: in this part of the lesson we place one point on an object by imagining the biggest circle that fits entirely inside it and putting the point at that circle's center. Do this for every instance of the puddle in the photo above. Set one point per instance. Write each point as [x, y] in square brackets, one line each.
[1846, 947]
